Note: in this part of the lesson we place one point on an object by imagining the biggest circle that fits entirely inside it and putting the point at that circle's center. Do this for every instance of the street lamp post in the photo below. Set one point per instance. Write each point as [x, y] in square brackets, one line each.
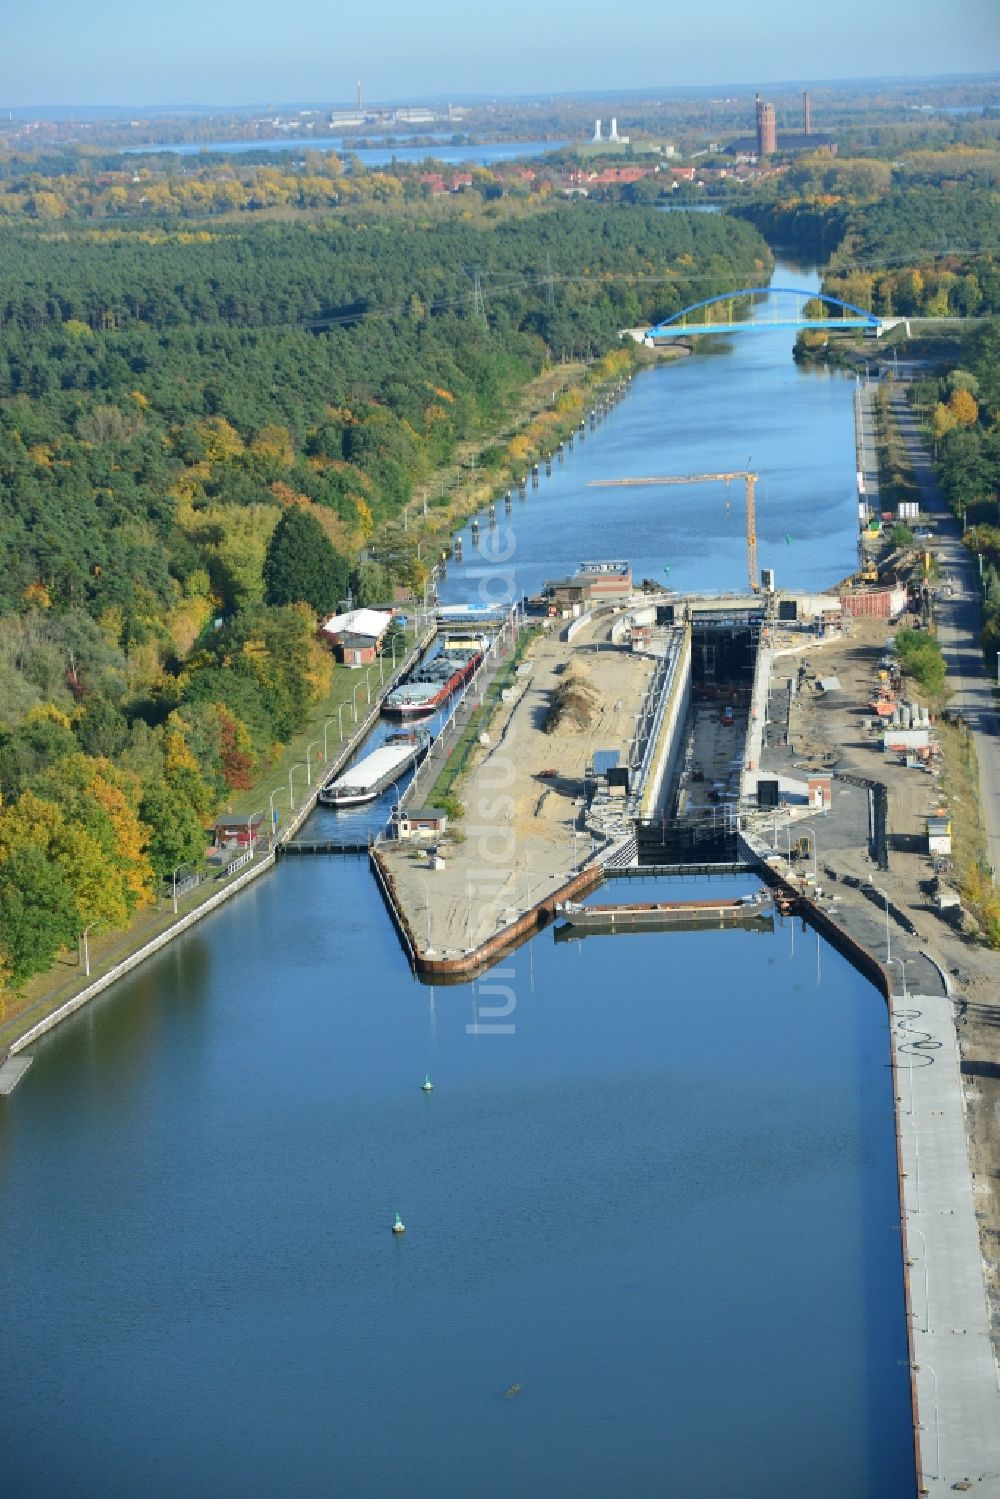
[808, 832]
[368, 684]
[340, 721]
[274, 815]
[326, 726]
[358, 687]
[86, 948]
[173, 885]
[888, 936]
[291, 796]
[927, 1300]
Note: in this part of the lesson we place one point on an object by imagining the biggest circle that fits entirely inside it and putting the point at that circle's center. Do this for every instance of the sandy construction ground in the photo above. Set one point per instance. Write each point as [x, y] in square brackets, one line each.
[520, 835]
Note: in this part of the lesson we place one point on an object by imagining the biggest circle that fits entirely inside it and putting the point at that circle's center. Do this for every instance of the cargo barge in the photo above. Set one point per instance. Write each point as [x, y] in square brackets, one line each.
[684, 915]
[377, 771]
[433, 682]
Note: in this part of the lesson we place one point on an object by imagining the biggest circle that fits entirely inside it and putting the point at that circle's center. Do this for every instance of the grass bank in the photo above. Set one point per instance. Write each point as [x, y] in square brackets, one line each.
[970, 863]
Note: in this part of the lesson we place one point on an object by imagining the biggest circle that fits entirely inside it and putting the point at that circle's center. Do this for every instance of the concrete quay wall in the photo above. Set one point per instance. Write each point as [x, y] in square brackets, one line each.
[182, 924]
[466, 964]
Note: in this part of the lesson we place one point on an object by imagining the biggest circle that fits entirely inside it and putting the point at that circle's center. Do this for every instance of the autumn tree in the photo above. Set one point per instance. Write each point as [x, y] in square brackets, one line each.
[102, 802]
[943, 421]
[964, 408]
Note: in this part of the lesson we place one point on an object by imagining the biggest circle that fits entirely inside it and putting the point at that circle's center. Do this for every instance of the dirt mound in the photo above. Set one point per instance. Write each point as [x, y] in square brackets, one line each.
[574, 702]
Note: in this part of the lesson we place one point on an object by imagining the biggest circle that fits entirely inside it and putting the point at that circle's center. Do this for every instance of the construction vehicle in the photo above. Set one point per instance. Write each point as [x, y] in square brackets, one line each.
[750, 481]
[869, 572]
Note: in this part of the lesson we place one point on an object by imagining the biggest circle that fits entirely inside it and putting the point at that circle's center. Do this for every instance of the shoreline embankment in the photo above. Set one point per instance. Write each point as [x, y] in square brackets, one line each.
[34, 1025]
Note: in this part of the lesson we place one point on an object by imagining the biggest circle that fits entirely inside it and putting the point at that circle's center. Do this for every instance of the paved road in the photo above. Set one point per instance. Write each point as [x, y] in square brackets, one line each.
[959, 621]
[866, 442]
[955, 1379]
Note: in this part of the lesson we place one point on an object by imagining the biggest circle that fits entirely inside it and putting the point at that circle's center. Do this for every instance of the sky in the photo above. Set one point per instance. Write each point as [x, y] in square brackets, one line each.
[120, 52]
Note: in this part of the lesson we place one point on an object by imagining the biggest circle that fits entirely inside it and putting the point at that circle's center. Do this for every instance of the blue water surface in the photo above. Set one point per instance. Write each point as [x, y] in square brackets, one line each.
[661, 1203]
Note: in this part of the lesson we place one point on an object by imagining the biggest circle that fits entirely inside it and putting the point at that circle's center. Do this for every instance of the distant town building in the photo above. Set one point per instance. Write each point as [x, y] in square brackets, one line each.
[612, 139]
[765, 143]
[794, 141]
[767, 134]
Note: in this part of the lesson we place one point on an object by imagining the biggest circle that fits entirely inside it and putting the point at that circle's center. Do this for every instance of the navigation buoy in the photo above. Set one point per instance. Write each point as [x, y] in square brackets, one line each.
[427, 1086]
[399, 1227]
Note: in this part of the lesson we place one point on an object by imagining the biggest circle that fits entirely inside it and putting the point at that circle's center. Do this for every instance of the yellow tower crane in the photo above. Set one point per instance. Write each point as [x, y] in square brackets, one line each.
[750, 481]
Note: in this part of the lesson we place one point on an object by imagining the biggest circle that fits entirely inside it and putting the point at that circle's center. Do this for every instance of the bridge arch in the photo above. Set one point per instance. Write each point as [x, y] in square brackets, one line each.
[850, 316]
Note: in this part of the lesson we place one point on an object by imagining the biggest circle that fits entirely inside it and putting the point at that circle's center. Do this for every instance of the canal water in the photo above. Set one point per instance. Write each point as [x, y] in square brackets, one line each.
[651, 1239]
[737, 403]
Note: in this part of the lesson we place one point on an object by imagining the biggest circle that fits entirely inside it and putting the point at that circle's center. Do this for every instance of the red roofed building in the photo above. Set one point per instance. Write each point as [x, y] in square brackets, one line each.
[611, 175]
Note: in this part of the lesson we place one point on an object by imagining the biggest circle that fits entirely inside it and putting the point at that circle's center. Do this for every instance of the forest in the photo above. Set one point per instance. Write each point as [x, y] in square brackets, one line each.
[963, 410]
[916, 237]
[199, 431]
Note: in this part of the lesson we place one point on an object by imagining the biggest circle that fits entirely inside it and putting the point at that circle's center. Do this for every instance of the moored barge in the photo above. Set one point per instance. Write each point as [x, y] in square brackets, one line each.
[379, 770]
[433, 682]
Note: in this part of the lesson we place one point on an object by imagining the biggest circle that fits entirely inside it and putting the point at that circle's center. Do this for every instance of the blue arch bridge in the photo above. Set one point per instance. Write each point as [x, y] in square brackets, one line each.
[767, 307]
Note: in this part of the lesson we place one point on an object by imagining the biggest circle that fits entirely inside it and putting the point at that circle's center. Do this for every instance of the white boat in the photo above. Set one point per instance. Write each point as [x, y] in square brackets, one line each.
[383, 767]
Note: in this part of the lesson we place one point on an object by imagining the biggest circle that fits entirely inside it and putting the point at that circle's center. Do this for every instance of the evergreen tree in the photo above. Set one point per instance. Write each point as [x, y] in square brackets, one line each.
[302, 565]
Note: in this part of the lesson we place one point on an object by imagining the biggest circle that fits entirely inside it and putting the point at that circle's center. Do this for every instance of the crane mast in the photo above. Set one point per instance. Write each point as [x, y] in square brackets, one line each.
[750, 483]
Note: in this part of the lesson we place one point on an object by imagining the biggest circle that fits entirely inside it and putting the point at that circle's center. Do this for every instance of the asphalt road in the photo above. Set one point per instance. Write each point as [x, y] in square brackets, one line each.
[959, 622]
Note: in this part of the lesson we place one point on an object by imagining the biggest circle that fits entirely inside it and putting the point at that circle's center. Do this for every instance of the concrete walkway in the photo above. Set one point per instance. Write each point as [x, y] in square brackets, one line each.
[958, 1408]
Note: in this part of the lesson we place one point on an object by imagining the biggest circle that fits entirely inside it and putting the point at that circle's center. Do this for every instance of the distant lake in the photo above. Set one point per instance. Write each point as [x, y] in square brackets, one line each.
[371, 156]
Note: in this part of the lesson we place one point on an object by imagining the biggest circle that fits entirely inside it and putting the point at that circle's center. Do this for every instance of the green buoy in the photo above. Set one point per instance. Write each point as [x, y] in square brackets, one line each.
[427, 1086]
[399, 1227]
